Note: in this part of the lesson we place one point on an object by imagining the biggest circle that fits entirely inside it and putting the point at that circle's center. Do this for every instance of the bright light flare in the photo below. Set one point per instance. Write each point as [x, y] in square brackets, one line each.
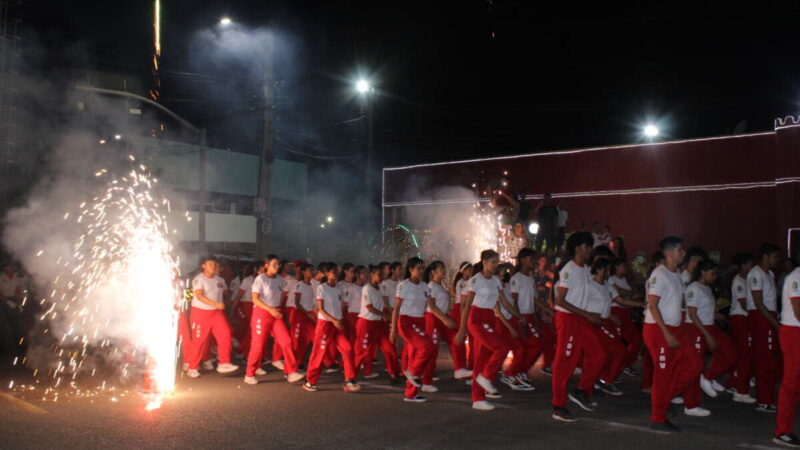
[362, 86]
[651, 131]
[329, 219]
[533, 228]
[225, 21]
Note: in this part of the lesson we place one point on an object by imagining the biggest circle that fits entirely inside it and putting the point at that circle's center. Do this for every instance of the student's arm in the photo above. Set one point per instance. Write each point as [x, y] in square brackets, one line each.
[465, 307]
[336, 322]
[512, 308]
[652, 306]
[506, 323]
[395, 316]
[758, 301]
[692, 311]
[299, 307]
[276, 313]
[198, 294]
[561, 300]
[628, 302]
[622, 291]
[449, 323]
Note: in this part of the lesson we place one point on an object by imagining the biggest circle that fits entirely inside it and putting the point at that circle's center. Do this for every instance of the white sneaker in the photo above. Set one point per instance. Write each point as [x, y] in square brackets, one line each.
[250, 380]
[294, 377]
[411, 379]
[717, 387]
[706, 386]
[192, 373]
[352, 386]
[429, 388]
[482, 405]
[743, 398]
[261, 372]
[485, 384]
[227, 368]
[677, 401]
[696, 412]
[277, 364]
[462, 374]
[372, 376]
[208, 365]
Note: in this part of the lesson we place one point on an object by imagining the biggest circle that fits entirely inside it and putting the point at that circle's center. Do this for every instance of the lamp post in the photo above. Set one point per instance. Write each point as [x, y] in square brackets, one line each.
[366, 92]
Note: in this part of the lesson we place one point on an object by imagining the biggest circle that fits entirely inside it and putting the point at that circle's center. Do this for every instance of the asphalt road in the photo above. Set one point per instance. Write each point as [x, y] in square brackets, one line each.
[217, 411]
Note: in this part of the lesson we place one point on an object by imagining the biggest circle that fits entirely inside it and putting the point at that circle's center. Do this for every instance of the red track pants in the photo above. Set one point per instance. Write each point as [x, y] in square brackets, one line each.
[789, 394]
[765, 356]
[262, 325]
[547, 332]
[419, 348]
[204, 323]
[301, 328]
[630, 333]
[464, 349]
[244, 312]
[723, 358]
[576, 339]
[617, 354]
[438, 332]
[490, 348]
[371, 335]
[743, 340]
[674, 370]
[327, 335]
[535, 343]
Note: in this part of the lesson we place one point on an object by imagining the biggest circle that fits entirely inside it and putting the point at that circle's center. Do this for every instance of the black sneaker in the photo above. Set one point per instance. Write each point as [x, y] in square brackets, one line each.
[563, 415]
[579, 397]
[630, 372]
[787, 440]
[547, 371]
[664, 427]
[762, 407]
[310, 387]
[607, 388]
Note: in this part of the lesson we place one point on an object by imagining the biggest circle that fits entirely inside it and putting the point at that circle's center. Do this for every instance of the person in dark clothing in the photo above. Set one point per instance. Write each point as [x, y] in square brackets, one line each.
[547, 217]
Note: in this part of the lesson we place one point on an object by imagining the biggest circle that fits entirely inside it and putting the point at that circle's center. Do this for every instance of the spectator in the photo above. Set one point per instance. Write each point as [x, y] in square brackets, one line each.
[562, 224]
[547, 217]
[617, 245]
[601, 236]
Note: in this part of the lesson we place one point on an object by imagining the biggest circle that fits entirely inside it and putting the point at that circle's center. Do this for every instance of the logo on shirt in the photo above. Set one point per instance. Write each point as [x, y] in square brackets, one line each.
[739, 288]
[794, 285]
[753, 281]
[690, 294]
[513, 282]
[566, 276]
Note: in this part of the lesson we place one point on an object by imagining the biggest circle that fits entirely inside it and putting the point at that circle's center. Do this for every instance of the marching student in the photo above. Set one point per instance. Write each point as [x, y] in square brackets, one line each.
[354, 301]
[243, 308]
[694, 256]
[408, 318]
[789, 393]
[351, 296]
[621, 309]
[370, 329]
[330, 331]
[267, 295]
[575, 338]
[524, 296]
[207, 318]
[739, 381]
[481, 306]
[302, 317]
[676, 364]
[439, 325]
[284, 271]
[701, 310]
[544, 278]
[762, 316]
[510, 328]
[459, 289]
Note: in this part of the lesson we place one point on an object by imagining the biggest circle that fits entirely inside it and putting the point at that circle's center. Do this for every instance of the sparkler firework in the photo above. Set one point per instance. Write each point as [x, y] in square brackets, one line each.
[114, 300]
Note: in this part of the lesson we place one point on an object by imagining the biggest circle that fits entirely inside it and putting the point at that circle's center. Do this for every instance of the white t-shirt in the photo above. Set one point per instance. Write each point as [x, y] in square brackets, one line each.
[758, 280]
[373, 297]
[289, 285]
[738, 292]
[306, 296]
[523, 286]
[791, 290]
[515, 244]
[389, 287]
[576, 280]
[246, 286]
[235, 283]
[700, 296]
[621, 282]
[487, 291]
[415, 298]
[507, 292]
[331, 300]
[686, 277]
[461, 289]
[441, 297]
[269, 289]
[668, 287]
[212, 288]
[351, 294]
[600, 298]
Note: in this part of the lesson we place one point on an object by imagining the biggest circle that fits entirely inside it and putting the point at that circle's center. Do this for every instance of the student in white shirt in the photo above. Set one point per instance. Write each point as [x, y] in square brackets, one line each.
[480, 309]
[739, 378]
[285, 273]
[601, 297]
[676, 364]
[459, 289]
[438, 324]
[389, 290]
[408, 319]
[268, 295]
[302, 317]
[694, 256]
[370, 328]
[242, 308]
[208, 317]
[762, 314]
[510, 325]
[621, 310]
[789, 337]
[330, 331]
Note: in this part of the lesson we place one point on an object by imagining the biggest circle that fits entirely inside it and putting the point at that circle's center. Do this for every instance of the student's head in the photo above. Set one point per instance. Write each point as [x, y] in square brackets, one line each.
[541, 262]
[618, 246]
[672, 249]
[602, 252]
[618, 267]
[415, 268]
[208, 263]
[465, 270]
[600, 268]
[272, 265]
[769, 255]
[348, 272]
[707, 272]
[331, 272]
[490, 260]
[519, 229]
[579, 245]
[284, 267]
[525, 259]
[386, 269]
[396, 269]
[435, 271]
[361, 274]
[307, 271]
[694, 256]
[322, 269]
[376, 273]
[657, 258]
[744, 261]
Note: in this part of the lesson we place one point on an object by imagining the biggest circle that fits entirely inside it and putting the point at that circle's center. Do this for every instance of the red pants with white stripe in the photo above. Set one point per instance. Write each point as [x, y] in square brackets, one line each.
[517, 346]
[535, 344]
[743, 340]
[204, 323]
[548, 334]
[185, 334]
[439, 332]
[301, 328]
[765, 356]
[277, 349]
[723, 358]
[370, 335]
[674, 370]
[350, 319]
[616, 352]
[325, 336]
[463, 358]
[490, 346]
[630, 333]
[261, 326]
[419, 348]
[575, 339]
[789, 394]
[244, 312]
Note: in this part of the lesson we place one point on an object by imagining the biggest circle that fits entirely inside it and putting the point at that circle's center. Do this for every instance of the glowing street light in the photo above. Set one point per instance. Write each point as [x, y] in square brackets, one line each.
[225, 21]
[533, 228]
[651, 131]
[329, 219]
[117, 137]
[362, 86]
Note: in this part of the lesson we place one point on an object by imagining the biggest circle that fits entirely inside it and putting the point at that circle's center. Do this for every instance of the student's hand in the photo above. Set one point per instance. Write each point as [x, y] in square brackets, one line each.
[672, 341]
[220, 306]
[712, 343]
[339, 325]
[513, 333]
[393, 335]
[460, 337]
[595, 319]
[276, 313]
[523, 321]
[450, 323]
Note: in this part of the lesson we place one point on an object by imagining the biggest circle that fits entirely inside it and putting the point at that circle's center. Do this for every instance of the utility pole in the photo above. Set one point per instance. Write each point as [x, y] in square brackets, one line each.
[264, 203]
[201, 216]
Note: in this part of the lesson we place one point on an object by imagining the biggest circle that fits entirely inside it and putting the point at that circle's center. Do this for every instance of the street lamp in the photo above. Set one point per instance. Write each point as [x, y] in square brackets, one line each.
[651, 131]
[362, 86]
[366, 91]
[225, 21]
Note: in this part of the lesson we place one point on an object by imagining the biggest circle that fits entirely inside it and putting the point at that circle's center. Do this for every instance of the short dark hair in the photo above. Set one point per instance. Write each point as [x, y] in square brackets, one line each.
[743, 258]
[602, 252]
[488, 254]
[768, 248]
[578, 238]
[203, 260]
[669, 242]
[599, 264]
[696, 251]
[616, 263]
[657, 257]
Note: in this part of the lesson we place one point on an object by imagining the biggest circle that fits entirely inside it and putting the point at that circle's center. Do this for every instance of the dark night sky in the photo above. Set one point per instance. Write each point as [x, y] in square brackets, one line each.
[555, 74]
